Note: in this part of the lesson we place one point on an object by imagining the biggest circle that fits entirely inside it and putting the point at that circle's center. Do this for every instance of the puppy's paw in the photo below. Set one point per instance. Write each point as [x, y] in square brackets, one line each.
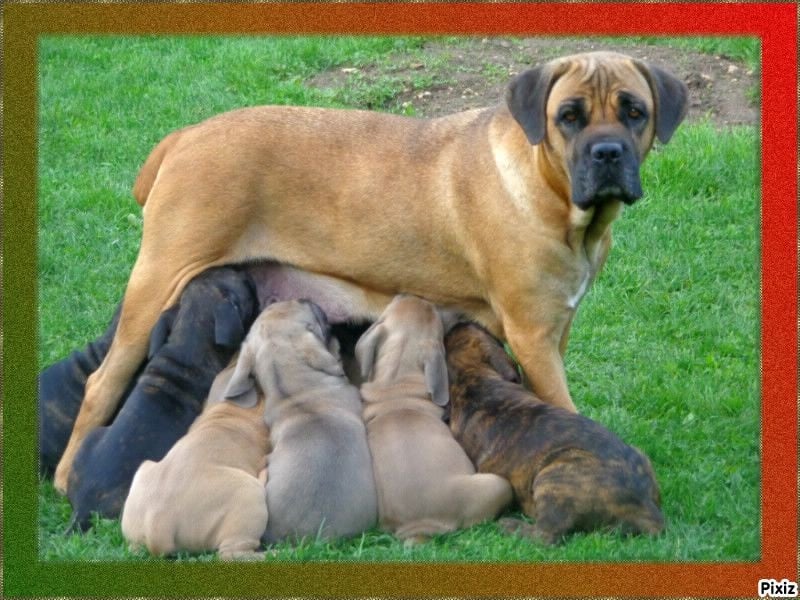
[243, 555]
[414, 540]
[524, 529]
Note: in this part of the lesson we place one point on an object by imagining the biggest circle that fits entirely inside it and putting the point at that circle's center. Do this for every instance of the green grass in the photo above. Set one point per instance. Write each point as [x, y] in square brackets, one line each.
[663, 351]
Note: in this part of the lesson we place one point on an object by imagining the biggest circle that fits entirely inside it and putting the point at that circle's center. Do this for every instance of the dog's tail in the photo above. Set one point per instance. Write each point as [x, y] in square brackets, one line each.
[149, 171]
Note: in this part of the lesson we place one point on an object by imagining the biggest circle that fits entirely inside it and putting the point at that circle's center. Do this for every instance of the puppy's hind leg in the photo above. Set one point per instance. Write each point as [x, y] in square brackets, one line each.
[481, 496]
[241, 550]
[418, 532]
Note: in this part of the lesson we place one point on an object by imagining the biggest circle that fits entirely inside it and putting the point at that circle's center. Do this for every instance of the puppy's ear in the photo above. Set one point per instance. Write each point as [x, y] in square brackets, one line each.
[228, 327]
[367, 348]
[161, 331]
[246, 400]
[334, 347]
[526, 98]
[436, 376]
[242, 380]
[319, 358]
[450, 317]
[504, 365]
[671, 97]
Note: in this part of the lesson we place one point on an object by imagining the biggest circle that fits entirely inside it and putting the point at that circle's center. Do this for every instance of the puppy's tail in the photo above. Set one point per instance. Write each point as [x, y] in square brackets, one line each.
[149, 171]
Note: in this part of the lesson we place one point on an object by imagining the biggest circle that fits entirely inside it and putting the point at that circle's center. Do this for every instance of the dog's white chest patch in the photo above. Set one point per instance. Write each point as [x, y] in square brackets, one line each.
[575, 299]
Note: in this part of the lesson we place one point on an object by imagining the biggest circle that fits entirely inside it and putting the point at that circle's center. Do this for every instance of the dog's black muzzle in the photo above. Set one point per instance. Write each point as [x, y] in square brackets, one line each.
[605, 168]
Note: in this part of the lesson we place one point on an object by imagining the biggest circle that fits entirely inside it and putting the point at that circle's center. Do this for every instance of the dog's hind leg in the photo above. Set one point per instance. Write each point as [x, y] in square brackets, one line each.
[151, 289]
[481, 496]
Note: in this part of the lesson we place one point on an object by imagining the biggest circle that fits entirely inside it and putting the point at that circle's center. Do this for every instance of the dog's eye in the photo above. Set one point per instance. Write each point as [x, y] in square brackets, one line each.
[634, 113]
[570, 116]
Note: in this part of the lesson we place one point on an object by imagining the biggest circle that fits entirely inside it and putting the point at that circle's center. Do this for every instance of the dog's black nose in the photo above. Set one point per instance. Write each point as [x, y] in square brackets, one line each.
[606, 152]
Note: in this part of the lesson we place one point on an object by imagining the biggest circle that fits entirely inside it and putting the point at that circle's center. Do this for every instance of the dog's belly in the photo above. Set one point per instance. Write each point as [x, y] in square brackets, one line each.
[342, 301]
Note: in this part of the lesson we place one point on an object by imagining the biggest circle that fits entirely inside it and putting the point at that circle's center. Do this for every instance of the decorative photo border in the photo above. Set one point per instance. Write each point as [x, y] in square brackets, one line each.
[776, 27]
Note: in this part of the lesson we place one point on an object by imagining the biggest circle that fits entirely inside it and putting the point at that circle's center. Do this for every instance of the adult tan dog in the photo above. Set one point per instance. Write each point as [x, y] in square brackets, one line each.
[502, 212]
[426, 483]
[208, 492]
[320, 470]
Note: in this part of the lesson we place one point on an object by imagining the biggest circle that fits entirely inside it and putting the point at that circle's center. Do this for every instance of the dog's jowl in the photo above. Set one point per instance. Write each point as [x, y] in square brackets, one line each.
[568, 472]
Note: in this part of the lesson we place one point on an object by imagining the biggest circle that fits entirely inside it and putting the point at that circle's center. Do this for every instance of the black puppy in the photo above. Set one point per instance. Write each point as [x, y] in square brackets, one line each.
[191, 343]
[61, 388]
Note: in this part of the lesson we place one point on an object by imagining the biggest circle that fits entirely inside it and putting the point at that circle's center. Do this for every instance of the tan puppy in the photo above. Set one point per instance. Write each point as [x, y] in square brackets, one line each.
[426, 483]
[320, 470]
[208, 492]
[502, 212]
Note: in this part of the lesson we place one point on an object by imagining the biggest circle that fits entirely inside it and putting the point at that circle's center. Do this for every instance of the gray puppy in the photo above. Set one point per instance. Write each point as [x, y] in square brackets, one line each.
[426, 482]
[320, 469]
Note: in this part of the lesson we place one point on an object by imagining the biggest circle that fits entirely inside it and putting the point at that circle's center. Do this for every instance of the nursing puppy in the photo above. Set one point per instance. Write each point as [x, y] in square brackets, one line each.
[568, 472]
[426, 483]
[320, 470]
[207, 493]
[193, 341]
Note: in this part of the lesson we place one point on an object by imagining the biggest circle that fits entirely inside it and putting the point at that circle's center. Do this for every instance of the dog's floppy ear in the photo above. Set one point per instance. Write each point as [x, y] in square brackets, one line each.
[526, 98]
[367, 347]
[450, 317]
[246, 400]
[161, 331]
[319, 358]
[671, 98]
[435, 368]
[242, 380]
[228, 327]
[503, 363]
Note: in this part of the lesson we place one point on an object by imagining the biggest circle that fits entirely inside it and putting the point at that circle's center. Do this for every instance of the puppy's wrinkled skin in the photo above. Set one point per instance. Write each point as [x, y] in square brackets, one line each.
[192, 342]
[320, 470]
[568, 472]
[374, 205]
[426, 483]
[208, 492]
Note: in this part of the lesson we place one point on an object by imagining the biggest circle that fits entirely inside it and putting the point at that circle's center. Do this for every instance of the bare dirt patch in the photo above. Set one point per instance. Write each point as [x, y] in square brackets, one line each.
[447, 78]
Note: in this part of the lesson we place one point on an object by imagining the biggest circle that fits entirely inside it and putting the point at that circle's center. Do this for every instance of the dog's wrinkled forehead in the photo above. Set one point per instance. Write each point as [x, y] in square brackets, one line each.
[598, 79]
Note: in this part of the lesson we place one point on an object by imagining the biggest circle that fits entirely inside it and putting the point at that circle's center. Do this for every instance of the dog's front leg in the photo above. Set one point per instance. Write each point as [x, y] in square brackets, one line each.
[535, 339]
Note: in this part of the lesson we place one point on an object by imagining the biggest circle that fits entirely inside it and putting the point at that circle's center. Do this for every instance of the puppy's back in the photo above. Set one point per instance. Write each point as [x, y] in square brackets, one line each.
[320, 472]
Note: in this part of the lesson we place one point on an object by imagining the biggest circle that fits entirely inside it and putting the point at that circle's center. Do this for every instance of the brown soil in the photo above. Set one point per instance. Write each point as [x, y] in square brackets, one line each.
[473, 73]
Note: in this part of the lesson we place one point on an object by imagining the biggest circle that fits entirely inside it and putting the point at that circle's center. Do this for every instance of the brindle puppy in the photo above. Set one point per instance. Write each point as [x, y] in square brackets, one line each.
[568, 472]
